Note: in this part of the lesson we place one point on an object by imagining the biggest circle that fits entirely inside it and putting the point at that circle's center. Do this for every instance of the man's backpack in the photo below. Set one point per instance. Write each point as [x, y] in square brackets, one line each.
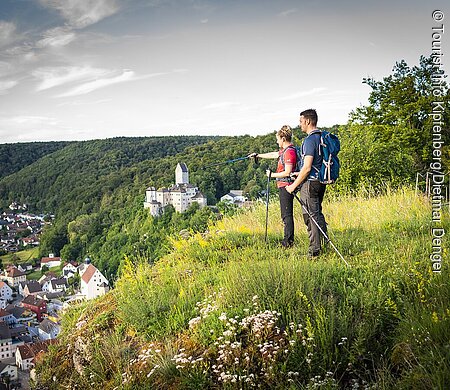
[329, 148]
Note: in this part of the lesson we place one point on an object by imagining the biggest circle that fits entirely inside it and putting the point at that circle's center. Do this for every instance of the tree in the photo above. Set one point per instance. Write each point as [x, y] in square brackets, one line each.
[53, 239]
[371, 157]
[199, 221]
[402, 104]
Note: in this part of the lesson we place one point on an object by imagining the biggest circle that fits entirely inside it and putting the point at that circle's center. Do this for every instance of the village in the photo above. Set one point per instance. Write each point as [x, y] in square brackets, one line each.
[20, 229]
[30, 310]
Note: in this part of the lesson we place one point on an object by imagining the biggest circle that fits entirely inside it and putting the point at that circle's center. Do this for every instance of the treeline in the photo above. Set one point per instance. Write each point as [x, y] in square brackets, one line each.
[14, 157]
[96, 188]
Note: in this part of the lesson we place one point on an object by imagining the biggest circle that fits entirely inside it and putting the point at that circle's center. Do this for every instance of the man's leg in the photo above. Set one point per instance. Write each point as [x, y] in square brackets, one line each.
[287, 215]
[311, 195]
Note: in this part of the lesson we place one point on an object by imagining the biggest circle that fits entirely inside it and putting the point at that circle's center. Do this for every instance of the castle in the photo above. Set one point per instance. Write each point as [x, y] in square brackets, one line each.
[180, 195]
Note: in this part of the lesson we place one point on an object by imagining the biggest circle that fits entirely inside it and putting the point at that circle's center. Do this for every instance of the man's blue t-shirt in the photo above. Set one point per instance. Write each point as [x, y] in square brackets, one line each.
[310, 147]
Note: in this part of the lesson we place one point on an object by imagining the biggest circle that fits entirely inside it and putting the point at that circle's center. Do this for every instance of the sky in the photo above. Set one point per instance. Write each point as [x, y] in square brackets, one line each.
[90, 69]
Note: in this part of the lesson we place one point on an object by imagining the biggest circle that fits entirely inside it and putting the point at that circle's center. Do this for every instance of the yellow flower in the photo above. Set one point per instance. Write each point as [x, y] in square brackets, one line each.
[434, 317]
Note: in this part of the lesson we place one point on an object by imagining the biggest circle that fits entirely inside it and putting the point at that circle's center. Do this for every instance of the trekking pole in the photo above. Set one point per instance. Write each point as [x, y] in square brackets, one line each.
[229, 161]
[320, 229]
[267, 203]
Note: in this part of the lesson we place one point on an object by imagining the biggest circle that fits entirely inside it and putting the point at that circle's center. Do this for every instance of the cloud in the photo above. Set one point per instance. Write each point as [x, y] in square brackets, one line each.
[7, 33]
[56, 76]
[5, 86]
[82, 13]
[59, 36]
[220, 105]
[5, 68]
[288, 12]
[301, 94]
[90, 78]
[203, 21]
[126, 75]
[32, 120]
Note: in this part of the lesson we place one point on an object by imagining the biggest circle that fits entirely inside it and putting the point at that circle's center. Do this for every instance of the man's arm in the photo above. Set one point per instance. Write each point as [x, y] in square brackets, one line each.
[303, 174]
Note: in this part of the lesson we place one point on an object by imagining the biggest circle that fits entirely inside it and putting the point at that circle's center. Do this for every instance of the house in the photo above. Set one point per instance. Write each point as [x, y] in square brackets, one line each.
[31, 288]
[235, 197]
[71, 266]
[93, 283]
[36, 305]
[26, 354]
[48, 330]
[180, 195]
[58, 285]
[8, 371]
[7, 317]
[70, 270]
[25, 267]
[13, 276]
[5, 291]
[24, 357]
[51, 261]
[16, 311]
[55, 285]
[5, 342]
[47, 277]
[20, 335]
[67, 274]
[47, 296]
[32, 240]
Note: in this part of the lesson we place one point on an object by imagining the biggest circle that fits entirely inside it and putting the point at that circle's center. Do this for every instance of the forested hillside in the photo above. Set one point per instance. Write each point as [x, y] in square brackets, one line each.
[73, 179]
[13, 157]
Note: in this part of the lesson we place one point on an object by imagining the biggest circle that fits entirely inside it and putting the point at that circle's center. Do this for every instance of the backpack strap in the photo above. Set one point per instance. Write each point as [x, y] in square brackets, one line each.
[284, 151]
[286, 179]
[317, 131]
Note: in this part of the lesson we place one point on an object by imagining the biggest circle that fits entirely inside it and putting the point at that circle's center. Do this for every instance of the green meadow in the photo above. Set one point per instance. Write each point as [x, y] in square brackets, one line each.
[226, 310]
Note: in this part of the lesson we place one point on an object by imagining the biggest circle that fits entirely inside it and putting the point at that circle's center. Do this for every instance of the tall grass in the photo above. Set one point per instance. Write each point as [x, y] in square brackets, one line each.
[227, 310]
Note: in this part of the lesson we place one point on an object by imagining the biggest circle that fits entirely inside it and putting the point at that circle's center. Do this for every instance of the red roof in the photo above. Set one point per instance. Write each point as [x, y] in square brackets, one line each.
[87, 275]
[2, 283]
[49, 259]
[15, 272]
[29, 351]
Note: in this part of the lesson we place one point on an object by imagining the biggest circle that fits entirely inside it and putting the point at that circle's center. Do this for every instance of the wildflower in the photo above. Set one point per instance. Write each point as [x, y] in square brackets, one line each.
[434, 317]
[194, 321]
[223, 317]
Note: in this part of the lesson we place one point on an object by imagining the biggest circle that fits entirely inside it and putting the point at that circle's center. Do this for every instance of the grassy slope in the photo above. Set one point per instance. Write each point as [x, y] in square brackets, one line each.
[24, 256]
[226, 310]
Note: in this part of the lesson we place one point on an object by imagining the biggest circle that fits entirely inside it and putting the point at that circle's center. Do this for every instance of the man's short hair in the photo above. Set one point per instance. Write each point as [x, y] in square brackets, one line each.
[285, 132]
[310, 114]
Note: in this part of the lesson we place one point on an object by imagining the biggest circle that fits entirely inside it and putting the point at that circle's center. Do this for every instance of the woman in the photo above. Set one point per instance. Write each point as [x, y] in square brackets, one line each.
[287, 159]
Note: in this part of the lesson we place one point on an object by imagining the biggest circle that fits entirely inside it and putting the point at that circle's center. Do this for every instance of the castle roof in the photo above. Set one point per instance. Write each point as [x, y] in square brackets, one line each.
[199, 195]
[183, 167]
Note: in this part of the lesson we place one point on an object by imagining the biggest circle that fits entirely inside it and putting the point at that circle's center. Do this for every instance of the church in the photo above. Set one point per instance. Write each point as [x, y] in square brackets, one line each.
[180, 195]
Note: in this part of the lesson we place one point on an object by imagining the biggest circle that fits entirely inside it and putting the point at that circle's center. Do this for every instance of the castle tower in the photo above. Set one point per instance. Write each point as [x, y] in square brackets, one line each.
[181, 174]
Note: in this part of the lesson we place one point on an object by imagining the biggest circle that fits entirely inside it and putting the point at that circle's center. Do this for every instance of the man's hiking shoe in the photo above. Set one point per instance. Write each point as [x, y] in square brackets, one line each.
[286, 245]
[313, 255]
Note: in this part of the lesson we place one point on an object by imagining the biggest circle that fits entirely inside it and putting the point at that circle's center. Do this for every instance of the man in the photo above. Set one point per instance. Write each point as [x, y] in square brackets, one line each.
[287, 159]
[312, 190]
